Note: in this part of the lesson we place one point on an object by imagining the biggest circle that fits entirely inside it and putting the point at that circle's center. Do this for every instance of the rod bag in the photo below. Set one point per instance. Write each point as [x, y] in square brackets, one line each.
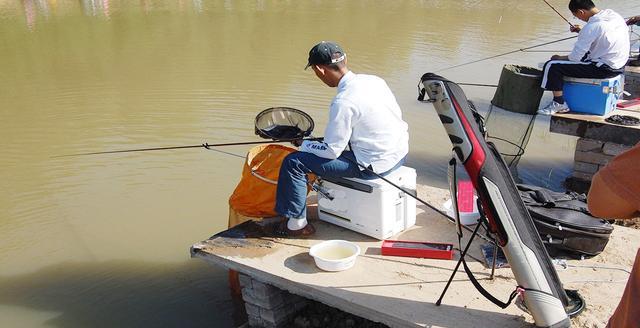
[507, 215]
[564, 222]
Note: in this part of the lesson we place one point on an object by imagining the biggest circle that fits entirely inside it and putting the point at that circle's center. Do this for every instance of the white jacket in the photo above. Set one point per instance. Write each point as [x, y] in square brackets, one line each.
[364, 114]
[604, 39]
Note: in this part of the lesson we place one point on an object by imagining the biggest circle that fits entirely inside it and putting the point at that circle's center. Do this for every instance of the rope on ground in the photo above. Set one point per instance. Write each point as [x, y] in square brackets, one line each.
[562, 263]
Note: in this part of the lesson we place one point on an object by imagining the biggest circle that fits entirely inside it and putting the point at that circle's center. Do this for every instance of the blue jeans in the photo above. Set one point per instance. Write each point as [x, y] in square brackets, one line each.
[291, 194]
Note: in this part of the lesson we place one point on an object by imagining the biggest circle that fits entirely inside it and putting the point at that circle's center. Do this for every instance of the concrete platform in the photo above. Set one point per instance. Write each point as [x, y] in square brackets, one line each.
[401, 292]
[596, 128]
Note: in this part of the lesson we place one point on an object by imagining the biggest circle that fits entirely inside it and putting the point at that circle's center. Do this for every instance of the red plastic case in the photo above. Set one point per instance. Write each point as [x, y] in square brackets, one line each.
[629, 103]
[441, 251]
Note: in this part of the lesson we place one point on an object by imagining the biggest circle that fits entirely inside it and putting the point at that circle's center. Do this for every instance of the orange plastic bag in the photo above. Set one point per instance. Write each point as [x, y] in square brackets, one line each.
[255, 194]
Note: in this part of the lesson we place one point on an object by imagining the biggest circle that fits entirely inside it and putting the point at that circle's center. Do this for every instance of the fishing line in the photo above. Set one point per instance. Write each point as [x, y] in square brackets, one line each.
[506, 53]
[225, 152]
[557, 12]
[564, 265]
[555, 51]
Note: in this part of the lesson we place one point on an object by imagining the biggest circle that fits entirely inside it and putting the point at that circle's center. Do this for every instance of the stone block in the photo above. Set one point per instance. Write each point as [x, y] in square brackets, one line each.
[262, 290]
[585, 167]
[254, 321]
[245, 281]
[277, 316]
[252, 310]
[593, 158]
[614, 149]
[257, 322]
[247, 295]
[268, 306]
[590, 145]
[582, 175]
[267, 302]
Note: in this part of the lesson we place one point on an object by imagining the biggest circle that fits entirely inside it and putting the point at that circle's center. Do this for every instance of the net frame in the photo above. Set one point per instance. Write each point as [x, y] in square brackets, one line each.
[267, 122]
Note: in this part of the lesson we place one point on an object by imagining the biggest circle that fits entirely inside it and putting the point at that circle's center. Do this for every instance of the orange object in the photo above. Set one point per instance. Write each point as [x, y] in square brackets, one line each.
[234, 284]
[255, 194]
[625, 316]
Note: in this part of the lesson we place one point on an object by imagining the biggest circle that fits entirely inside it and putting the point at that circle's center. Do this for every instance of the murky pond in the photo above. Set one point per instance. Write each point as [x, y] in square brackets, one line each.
[102, 241]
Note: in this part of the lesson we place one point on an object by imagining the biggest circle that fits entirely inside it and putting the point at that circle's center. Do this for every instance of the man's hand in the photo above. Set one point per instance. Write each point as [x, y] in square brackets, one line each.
[575, 28]
[633, 20]
[297, 142]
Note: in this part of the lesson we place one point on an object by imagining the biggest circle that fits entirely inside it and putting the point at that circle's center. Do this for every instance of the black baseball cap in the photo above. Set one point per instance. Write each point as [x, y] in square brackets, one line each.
[324, 53]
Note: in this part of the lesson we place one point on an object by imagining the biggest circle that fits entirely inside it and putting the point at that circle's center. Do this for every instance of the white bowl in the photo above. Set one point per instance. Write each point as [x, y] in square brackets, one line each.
[335, 255]
[466, 218]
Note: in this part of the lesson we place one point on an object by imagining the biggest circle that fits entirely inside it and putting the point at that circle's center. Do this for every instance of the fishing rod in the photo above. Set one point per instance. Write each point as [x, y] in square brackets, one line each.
[204, 145]
[506, 53]
[557, 12]
[479, 85]
[278, 124]
[554, 51]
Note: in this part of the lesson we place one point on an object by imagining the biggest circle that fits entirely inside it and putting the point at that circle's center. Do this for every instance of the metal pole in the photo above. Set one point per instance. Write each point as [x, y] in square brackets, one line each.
[475, 231]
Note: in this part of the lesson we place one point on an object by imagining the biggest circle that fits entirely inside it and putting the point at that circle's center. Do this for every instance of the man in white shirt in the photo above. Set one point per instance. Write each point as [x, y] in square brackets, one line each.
[635, 20]
[363, 115]
[601, 51]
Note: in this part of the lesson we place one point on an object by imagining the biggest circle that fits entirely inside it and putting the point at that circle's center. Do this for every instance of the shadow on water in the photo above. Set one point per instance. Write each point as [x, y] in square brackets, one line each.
[124, 294]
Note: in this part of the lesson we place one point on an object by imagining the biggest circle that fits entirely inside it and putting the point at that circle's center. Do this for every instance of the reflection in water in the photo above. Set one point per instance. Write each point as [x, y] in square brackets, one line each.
[82, 294]
[96, 75]
[96, 7]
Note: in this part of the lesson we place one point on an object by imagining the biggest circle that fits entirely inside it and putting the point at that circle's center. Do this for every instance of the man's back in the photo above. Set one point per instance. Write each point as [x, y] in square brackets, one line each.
[604, 39]
[379, 135]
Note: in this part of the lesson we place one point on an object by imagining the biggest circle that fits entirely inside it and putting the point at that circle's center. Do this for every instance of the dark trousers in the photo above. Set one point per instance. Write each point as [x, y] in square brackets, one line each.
[291, 193]
[555, 70]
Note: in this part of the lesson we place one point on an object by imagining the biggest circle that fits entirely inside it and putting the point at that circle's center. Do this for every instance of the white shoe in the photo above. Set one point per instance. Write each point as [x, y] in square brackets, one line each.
[554, 108]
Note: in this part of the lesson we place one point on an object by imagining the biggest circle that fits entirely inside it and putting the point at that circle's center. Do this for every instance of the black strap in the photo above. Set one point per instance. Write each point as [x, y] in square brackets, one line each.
[519, 289]
[485, 293]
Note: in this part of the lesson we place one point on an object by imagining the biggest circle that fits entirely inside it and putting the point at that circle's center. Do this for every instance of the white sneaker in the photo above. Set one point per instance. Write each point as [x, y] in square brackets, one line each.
[554, 108]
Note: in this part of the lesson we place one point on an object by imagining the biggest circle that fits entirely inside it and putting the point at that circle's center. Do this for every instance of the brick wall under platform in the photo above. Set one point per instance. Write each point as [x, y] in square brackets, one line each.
[590, 156]
[632, 81]
[268, 306]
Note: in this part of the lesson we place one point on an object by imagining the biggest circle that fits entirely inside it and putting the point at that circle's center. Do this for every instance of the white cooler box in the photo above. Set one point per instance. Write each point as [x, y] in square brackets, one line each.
[371, 207]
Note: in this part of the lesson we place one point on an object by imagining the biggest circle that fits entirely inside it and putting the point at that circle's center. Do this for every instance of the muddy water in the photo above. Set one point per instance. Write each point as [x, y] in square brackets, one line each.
[102, 241]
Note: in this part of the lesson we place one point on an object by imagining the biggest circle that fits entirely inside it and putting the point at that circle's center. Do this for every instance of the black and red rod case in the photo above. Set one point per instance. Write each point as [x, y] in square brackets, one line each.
[507, 215]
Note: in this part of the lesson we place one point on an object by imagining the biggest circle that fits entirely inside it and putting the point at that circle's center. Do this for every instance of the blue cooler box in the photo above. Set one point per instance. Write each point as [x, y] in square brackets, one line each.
[593, 96]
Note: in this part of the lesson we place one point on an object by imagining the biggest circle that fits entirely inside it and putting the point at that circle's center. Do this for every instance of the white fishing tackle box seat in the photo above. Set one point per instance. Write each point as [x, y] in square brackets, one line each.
[371, 207]
[593, 96]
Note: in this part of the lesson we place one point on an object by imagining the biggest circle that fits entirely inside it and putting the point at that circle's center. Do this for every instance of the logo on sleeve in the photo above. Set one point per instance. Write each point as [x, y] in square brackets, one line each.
[318, 147]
